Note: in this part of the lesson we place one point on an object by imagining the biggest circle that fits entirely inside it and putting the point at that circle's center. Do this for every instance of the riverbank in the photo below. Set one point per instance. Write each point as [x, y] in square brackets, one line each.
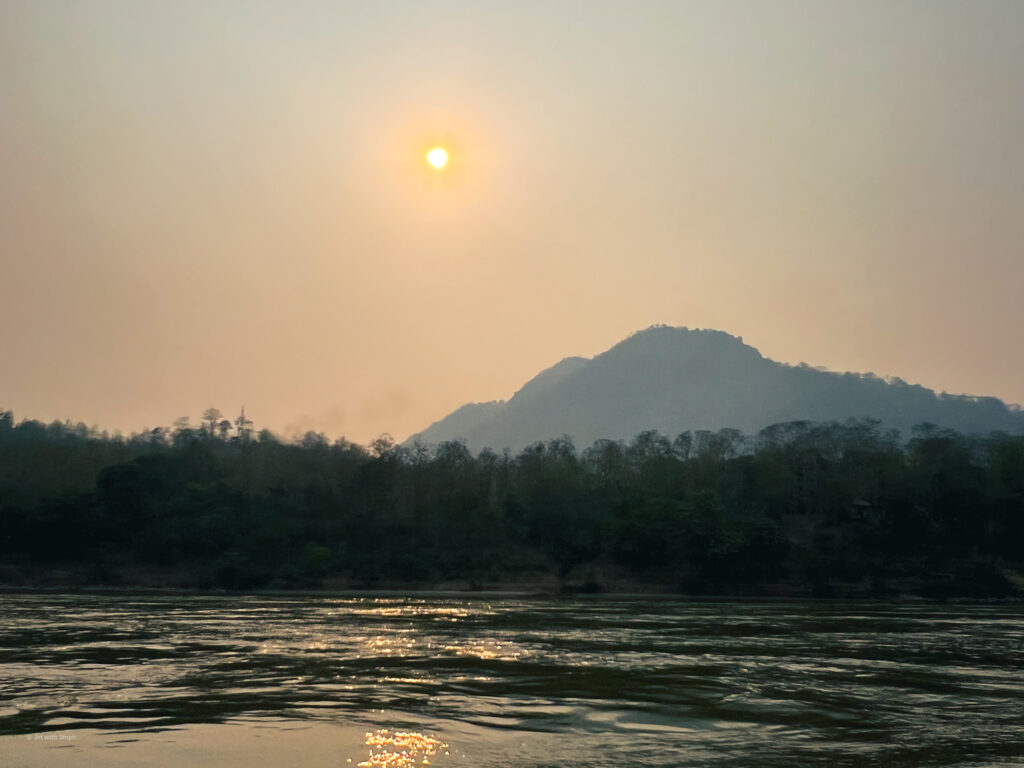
[1004, 585]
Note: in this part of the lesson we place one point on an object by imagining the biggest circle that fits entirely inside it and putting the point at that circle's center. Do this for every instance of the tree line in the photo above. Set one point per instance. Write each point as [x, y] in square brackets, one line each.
[799, 508]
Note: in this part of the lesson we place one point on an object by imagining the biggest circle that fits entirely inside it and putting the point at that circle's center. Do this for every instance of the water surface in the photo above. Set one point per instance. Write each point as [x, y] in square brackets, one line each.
[226, 680]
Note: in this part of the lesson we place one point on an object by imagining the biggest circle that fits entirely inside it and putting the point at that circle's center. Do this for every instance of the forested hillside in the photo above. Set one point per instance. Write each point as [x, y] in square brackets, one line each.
[797, 508]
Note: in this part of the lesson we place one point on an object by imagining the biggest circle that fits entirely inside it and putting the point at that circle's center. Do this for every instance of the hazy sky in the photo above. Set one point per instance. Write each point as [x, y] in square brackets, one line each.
[218, 203]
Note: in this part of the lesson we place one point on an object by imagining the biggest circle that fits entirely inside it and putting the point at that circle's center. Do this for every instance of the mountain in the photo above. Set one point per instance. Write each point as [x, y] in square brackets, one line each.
[676, 379]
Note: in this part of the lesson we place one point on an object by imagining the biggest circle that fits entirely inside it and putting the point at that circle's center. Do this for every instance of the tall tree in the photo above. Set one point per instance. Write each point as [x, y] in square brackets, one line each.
[243, 425]
[211, 416]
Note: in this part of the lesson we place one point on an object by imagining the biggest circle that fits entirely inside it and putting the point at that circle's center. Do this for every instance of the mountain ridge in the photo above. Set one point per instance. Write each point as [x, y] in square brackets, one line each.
[676, 379]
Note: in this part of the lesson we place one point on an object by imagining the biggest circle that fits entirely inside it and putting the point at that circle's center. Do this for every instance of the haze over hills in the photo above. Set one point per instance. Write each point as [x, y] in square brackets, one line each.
[676, 379]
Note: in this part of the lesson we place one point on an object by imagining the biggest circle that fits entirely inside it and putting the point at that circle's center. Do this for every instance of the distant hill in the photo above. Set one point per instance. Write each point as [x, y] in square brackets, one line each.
[676, 379]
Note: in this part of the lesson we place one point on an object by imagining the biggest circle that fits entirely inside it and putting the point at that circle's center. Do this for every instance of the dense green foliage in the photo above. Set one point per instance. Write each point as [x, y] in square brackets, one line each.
[800, 506]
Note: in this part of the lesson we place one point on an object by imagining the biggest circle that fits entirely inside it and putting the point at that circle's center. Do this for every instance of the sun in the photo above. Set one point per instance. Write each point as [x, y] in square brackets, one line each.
[438, 157]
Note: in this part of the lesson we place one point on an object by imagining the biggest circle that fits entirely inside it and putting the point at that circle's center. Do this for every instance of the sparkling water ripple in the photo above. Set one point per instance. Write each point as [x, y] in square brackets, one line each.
[525, 682]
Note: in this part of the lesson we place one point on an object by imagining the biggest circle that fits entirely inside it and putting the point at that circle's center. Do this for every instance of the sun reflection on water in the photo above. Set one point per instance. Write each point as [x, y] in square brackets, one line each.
[401, 749]
[387, 645]
[401, 644]
[402, 609]
[488, 649]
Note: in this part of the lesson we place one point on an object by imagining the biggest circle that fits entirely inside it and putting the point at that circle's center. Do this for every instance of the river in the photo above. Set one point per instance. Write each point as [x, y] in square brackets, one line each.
[181, 680]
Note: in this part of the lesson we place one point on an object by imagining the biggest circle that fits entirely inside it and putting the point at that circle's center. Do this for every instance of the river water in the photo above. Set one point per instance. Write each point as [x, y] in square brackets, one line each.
[453, 681]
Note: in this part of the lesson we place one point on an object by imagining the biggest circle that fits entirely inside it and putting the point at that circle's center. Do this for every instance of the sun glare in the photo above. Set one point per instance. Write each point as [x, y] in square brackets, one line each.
[437, 157]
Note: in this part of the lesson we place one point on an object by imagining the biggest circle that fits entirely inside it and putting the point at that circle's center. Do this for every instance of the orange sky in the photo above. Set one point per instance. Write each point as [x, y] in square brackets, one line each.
[226, 203]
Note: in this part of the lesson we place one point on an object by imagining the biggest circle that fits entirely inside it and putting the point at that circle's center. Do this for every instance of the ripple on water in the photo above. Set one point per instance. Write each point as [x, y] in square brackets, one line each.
[619, 682]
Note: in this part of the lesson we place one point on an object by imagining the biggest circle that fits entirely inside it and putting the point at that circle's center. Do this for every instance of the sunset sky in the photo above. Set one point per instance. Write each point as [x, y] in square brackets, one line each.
[226, 203]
